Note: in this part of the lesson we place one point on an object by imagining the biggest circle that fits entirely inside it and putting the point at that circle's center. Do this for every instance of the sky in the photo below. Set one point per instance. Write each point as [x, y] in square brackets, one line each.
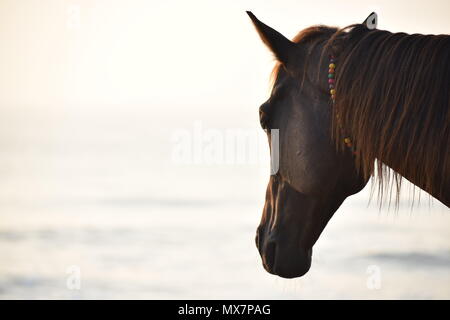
[81, 53]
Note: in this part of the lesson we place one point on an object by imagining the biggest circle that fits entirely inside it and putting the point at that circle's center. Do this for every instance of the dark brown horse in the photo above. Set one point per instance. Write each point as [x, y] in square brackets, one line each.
[392, 98]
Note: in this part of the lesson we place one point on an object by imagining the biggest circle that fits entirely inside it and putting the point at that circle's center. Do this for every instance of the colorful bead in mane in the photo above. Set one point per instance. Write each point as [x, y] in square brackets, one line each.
[331, 86]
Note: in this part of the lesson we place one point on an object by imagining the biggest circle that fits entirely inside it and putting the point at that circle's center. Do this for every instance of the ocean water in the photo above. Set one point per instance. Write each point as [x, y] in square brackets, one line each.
[92, 206]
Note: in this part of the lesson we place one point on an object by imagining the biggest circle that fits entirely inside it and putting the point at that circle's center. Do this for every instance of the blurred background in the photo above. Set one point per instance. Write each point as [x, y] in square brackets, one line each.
[132, 164]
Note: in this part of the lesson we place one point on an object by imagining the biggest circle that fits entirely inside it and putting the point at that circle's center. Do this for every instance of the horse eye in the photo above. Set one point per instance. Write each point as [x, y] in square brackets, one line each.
[263, 116]
[263, 119]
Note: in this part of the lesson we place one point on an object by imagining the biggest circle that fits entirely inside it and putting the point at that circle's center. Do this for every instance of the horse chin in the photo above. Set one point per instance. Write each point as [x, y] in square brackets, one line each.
[297, 266]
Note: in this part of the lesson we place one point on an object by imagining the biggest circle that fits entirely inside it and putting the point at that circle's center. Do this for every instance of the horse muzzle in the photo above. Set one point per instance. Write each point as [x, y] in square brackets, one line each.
[282, 259]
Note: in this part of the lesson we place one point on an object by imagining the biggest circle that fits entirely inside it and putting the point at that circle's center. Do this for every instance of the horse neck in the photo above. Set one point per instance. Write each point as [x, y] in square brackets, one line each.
[440, 188]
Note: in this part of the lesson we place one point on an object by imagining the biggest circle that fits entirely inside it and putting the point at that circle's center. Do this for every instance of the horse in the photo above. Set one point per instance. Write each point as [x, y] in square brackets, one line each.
[385, 117]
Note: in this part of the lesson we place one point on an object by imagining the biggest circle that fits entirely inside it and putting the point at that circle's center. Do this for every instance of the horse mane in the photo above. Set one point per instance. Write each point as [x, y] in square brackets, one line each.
[311, 35]
[393, 100]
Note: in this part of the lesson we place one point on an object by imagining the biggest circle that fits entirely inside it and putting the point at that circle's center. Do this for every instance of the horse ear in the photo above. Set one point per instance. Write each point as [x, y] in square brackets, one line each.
[371, 21]
[284, 49]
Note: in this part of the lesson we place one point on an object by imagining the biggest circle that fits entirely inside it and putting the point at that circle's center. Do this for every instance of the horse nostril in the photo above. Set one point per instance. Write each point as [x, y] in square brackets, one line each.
[269, 256]
[257, 239]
